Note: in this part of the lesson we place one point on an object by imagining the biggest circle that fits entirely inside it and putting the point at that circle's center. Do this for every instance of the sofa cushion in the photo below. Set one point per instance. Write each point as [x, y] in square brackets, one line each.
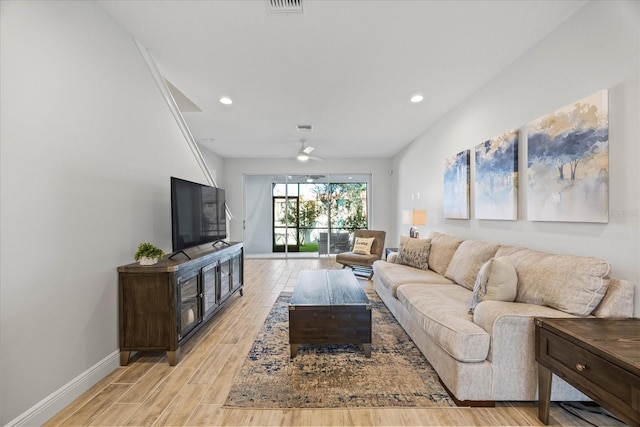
[497, 280]
[414, 252]
[573, 284]
[393, 275]
[442, 249]
[467, 261]
[505, 250]
[442, 313]
[618, 301]
[362, 245]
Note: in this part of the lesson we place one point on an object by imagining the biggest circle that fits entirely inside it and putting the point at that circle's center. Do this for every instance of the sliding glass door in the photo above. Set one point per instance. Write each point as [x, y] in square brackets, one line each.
[303, 215]
[317, 213]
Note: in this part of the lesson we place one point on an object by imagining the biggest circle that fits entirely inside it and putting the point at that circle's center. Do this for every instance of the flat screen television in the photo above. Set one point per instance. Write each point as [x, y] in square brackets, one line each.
[198, 214]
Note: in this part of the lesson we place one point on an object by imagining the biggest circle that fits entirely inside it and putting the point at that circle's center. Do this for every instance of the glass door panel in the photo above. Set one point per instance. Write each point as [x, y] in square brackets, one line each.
[348, 209]
[209, 281]
[225, 278]
[236, 273]
[190, 314]
[312, 217]
[285, 224]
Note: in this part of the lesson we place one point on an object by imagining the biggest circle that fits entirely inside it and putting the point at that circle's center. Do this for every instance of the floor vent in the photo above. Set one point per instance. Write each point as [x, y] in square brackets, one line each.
[285, 6]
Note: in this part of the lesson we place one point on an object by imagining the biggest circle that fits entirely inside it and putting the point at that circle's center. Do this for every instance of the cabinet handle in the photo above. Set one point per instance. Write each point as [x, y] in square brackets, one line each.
[580, 367]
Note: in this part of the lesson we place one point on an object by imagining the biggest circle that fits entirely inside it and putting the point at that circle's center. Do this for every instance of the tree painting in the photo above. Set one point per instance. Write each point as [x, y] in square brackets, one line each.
[568, 163]
[496, 177]
[456, 186]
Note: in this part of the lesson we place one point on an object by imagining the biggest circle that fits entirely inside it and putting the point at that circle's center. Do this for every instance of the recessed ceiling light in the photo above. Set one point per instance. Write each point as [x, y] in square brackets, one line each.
[226, 100]
[417, 98]
[309, 179]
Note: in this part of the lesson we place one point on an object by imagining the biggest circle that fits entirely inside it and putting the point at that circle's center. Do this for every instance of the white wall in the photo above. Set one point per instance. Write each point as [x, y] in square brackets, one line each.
[597, 48]
[381, 180]
[215, 163]
[88, 146]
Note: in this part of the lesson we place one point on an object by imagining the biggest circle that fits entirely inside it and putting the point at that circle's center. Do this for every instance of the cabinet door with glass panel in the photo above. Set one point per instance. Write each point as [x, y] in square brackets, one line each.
[210, 294]
[190, 309]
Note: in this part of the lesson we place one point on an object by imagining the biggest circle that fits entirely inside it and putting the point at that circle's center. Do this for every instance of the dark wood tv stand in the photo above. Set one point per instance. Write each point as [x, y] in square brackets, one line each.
[163, 305]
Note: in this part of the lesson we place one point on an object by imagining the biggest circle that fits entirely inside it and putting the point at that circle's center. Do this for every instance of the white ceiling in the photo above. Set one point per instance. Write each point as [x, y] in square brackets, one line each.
[347, 67]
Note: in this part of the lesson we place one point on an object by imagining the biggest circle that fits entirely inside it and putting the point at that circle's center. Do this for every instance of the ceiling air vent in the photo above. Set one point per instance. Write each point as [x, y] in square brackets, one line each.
[285, 6]
[307, 128]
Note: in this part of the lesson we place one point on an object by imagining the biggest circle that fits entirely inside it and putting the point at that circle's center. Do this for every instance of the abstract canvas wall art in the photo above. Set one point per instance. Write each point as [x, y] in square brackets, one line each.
[568, 163]
[456, 186]
[496, 177]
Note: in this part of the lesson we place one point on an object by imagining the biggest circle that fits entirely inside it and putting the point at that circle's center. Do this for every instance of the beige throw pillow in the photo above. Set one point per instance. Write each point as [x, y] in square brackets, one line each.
[362, 246]
[618, 301]
[467, 261]
[414, 252]
[442, 249]
[497, 280]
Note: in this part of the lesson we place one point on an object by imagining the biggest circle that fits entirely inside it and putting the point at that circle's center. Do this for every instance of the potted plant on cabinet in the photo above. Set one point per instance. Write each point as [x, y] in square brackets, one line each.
[147, 254]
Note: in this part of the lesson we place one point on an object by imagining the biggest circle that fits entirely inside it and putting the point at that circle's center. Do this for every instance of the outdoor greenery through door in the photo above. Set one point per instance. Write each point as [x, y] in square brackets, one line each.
[317, 216]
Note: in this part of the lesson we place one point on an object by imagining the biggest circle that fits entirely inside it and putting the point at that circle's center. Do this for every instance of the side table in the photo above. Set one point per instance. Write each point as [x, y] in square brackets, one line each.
[387, 251]
[599, 357]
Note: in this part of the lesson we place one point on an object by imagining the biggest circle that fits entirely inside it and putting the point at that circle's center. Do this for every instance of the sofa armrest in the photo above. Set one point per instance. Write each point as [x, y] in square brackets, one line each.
[512, 349]
[510, 325]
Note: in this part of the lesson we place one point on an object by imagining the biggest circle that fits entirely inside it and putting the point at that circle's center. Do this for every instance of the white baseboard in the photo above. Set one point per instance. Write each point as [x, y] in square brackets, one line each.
[42, 411]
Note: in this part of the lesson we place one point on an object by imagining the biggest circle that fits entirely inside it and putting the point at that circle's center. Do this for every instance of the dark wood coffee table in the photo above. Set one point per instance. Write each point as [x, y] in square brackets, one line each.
[329, 307]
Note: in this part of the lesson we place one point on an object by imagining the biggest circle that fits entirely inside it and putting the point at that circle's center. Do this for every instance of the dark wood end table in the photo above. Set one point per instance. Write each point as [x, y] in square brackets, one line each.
[387, 251]
[329, 307]
[599, 357]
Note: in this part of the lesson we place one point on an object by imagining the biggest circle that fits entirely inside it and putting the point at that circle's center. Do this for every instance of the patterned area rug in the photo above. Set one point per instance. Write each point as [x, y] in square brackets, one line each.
[336, 376]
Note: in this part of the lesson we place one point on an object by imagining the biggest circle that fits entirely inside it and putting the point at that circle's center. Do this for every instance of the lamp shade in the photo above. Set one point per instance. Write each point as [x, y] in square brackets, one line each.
[419, 217]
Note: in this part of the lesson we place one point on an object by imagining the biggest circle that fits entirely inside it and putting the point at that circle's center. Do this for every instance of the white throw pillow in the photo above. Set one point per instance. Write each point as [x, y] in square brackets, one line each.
[497, 280]
[362, 246]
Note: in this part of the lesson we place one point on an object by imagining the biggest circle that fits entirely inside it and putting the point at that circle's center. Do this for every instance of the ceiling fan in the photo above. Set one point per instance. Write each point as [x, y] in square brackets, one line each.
[304, 152]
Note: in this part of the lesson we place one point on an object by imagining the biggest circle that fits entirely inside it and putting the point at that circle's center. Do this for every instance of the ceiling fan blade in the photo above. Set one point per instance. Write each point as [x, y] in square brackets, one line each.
[317, 159]
[303, 153]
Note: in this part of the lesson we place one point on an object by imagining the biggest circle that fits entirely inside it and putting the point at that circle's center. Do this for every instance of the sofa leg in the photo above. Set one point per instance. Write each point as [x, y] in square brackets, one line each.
[471, 403]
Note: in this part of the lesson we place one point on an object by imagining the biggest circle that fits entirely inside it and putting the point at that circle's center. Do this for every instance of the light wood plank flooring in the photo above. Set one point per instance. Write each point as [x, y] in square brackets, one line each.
[148, 392]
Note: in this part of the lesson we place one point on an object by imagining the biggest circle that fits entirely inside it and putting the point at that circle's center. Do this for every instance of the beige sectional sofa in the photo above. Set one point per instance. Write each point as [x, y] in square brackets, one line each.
[490, 355]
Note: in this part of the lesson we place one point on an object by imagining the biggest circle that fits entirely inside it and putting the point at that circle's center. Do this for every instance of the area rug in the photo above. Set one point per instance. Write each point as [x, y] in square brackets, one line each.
[336, 376]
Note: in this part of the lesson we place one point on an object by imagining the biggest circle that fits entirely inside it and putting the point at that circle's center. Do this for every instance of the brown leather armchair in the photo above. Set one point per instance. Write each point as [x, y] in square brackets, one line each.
[362, 265]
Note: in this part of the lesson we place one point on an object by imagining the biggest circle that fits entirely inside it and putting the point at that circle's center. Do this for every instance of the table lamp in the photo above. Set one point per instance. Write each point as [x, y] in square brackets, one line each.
[414, 217]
